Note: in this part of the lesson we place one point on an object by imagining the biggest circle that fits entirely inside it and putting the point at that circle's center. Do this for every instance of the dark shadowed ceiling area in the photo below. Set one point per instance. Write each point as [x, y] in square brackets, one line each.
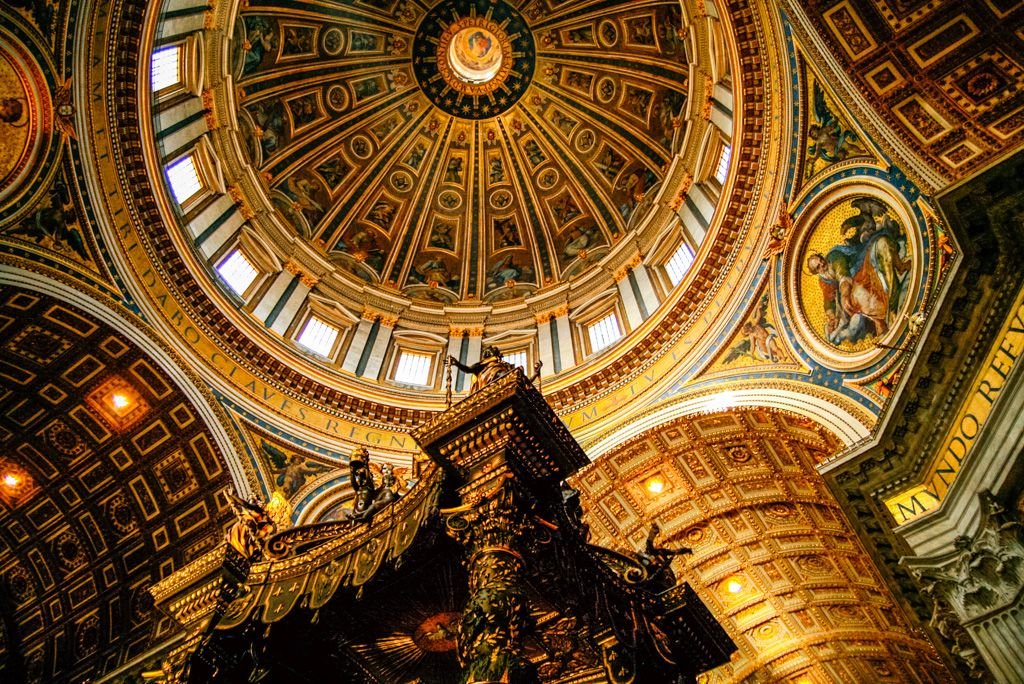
[111, 481]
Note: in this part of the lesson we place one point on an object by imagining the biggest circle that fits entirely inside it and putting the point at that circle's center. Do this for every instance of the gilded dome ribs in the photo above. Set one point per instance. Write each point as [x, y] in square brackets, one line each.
[599, 10]
[297, 156]
[328, 11]
[346, 110]
[544, 256]
[406, 253]
[480, 173]
[474, 215]
[611, 223]
[276, 81]
[665, 73]
[341, 211]
[628, 138]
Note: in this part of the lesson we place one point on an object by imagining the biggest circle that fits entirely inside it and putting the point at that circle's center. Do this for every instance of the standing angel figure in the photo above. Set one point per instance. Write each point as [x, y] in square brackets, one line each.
[489, 368]
[370, 496]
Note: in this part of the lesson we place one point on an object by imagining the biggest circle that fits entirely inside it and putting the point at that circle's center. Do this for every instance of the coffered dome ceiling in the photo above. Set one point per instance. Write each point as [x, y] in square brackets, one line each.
[472, 151]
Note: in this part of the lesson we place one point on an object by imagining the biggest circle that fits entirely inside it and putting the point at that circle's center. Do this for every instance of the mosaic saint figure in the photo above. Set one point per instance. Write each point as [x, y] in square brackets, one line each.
[453, 173]
[259, 41]
[479, 44]
[504, 271]
[507, 232]
[441, 237]
[497, 170]
[863, 278]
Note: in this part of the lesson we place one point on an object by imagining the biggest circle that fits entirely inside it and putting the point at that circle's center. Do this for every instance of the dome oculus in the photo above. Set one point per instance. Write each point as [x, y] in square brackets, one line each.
[475, 55]
[471, 65]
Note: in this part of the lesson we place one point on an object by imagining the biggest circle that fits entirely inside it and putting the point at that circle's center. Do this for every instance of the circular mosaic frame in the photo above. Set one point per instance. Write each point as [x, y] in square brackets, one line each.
[27, 123]
[855, 356]
[441, 83]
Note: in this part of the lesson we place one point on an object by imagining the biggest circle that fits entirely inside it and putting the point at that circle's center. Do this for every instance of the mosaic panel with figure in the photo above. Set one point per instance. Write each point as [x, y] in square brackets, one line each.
[856, 269]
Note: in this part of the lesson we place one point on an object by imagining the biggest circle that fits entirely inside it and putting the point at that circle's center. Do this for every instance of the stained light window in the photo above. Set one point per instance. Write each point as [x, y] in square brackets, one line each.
[183, 177]
[165, 67]
[680, 262]
[413, 368]
[604, 331]
[318, 336]
[722, 172]
[517, 358]
[237, 271]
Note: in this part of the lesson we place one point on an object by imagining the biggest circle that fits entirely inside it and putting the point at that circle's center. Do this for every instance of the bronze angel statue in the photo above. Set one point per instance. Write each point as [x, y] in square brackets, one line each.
[371, 496]
[252, 527]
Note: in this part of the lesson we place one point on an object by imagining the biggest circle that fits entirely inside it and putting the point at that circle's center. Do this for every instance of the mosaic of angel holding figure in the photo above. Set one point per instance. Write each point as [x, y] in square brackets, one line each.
[829, 138]
[857, 271]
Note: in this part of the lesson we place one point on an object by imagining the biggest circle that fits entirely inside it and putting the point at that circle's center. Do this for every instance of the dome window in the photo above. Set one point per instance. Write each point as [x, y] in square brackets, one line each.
[722, 172]
[238, 272]
[183, 177]
[604, 331]
[165, 68]
[413, 368]
[679, 264]
[318, 336]
[517, 358]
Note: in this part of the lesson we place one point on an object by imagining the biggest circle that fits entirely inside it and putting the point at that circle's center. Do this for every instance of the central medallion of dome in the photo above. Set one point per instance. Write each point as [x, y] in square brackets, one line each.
[475, 55]
[473, 62]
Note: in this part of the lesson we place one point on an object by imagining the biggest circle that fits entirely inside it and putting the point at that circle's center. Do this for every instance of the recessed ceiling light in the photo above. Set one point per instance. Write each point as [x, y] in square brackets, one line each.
[734, 586]
[120, 401]
[11, 480]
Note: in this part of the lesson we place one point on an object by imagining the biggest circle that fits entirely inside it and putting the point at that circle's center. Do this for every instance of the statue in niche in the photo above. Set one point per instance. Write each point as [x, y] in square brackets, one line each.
[370, 496]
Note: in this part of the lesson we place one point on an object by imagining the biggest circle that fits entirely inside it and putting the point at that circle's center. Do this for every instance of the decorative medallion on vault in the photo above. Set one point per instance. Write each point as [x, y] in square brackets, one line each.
[473, 60]
[856, 275]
